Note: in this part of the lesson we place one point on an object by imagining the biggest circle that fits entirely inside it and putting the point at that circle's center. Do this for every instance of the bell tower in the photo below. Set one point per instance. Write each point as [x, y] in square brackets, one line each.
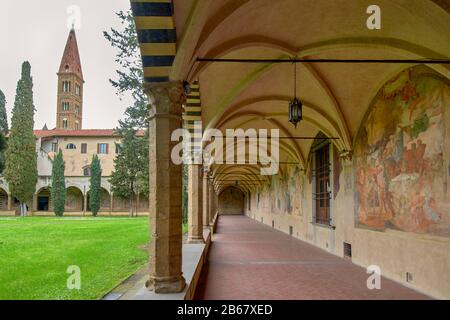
[69, 114]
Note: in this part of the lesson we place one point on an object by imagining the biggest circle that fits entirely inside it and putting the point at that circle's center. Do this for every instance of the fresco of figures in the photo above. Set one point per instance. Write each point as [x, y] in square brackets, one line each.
[283, 195]
[402, 156]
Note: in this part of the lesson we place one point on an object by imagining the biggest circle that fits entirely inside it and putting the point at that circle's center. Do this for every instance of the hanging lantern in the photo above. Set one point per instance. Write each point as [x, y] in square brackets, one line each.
[295, 112]
[295, 106]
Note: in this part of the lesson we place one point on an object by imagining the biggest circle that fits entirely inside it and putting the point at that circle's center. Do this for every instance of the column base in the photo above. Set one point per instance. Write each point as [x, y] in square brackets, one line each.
[198, 240]
[175, 285]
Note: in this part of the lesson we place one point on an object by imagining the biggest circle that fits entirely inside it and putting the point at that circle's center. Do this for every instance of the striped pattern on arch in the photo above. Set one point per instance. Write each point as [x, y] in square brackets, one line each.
[157, 37]
[192, 117]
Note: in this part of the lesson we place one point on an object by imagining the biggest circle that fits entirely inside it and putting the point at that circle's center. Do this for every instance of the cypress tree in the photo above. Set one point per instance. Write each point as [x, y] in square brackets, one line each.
[3, 130]
[95, 181]
[3, 117]
[58, 191]
[21, 160]
[2, 152]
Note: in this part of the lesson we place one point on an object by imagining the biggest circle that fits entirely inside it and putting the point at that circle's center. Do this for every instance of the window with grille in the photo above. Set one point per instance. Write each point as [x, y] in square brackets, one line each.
[71, 146]
[322, 192]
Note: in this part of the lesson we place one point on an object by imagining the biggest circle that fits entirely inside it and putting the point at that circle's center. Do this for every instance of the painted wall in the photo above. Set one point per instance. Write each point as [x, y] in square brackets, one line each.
[402, 160]
[391, 201]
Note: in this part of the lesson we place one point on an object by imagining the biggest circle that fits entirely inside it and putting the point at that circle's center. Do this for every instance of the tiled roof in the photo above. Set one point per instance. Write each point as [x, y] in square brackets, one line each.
[71, 62]
[79, 133]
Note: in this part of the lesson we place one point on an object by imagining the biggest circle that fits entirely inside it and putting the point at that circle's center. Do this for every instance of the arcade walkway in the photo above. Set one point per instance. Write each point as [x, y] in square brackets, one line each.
[250, 261]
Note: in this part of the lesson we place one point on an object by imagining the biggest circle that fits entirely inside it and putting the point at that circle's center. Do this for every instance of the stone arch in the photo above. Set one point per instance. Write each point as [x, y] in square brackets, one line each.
[232, 201]
[105, 199]
[43, 199]
[74, 199]
[3, 200]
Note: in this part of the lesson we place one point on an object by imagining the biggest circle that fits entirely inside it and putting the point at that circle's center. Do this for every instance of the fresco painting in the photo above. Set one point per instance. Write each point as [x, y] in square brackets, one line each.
[283, 195]
[402, 154]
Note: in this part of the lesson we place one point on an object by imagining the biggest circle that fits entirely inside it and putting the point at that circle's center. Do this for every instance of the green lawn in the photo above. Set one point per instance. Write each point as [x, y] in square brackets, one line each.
[36, 252]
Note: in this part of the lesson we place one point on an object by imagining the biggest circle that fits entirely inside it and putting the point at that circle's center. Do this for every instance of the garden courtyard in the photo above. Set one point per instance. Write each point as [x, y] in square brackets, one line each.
[36, 252]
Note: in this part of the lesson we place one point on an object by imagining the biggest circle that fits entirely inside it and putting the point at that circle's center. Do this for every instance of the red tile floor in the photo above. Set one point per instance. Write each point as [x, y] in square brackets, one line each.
[251, 261]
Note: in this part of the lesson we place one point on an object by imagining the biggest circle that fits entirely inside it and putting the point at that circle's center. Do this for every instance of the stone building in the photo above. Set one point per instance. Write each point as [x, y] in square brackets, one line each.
[78, 146]
[366, 173]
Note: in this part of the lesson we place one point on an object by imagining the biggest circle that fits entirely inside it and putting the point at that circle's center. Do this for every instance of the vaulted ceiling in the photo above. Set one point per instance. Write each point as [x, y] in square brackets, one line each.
[336, 96]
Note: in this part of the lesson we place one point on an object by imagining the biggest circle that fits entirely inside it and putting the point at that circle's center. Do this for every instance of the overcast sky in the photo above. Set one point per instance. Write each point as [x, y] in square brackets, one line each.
[37, 31]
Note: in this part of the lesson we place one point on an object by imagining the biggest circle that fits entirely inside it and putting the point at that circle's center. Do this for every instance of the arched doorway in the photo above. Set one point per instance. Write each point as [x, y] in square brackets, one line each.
[231, 202]
[3, 200]
[105, 200]
[74, 200]
[43, 199]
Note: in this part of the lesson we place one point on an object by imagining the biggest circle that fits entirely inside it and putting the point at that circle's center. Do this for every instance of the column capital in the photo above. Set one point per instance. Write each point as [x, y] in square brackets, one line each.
[165, 98]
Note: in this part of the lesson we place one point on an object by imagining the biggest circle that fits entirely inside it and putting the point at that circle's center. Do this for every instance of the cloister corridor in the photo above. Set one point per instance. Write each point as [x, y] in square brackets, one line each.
[358, 162]
[251, 261]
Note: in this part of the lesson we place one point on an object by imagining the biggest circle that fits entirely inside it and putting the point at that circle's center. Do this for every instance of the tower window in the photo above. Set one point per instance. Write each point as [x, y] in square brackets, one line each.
[66, 86]
[66, 106]
[77, 125]
[65, 124]
[77, 109]
[71, 146]
[78, 90]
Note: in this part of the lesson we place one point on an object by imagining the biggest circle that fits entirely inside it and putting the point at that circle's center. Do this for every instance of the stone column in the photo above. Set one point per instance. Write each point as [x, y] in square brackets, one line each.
[35, 204]
[111, 204]
[205, 200]
[195, 204]
[165, 106]
[216, 204]
[85, 203]
[211, 204]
